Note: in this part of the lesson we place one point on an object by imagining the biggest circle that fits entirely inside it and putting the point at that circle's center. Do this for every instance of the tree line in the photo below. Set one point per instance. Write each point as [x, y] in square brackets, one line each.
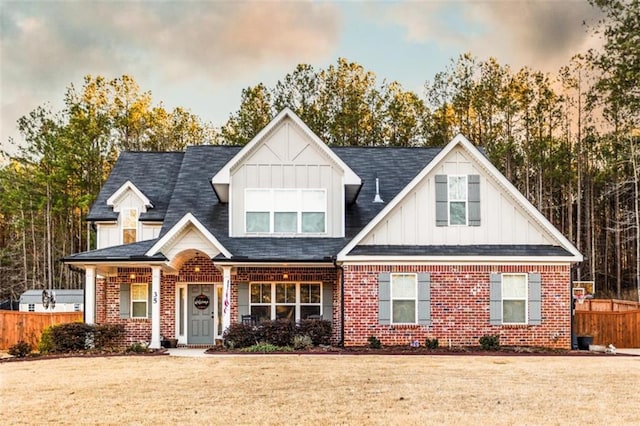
[569, 141]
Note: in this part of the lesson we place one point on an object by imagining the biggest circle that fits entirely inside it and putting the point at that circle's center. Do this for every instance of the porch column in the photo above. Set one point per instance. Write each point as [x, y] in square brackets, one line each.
[90, 295]
[226, 297]
[155, 307]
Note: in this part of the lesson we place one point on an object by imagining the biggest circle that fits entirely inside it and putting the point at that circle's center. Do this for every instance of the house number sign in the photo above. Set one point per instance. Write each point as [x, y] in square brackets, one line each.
[201, 301]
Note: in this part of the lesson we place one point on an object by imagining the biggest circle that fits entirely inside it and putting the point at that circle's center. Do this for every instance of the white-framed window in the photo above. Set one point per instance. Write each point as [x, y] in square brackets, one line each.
[139, 300]
[31, 307]
[285, 211]
[514, 298]
[129, 223]
[293, 301]
[404, 298]
[457, 199]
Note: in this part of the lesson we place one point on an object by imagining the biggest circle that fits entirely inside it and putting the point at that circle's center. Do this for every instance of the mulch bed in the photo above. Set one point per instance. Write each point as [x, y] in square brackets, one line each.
[407, 350]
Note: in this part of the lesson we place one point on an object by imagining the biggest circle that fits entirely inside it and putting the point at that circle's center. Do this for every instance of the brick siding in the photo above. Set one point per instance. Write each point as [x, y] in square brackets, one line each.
[459, 307]
[459, 302]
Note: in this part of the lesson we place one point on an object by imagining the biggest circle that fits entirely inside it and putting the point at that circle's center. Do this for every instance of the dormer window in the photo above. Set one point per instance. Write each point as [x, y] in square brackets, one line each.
[285, 211]
[129, 221]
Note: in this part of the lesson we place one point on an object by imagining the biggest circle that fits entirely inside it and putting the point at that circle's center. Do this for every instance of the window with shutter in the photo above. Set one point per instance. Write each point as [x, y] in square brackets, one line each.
[457, 200]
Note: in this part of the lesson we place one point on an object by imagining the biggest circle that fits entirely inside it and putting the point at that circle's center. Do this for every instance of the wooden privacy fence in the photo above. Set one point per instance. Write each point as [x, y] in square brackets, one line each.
[621, 328]
[28, 326]
[607, 305]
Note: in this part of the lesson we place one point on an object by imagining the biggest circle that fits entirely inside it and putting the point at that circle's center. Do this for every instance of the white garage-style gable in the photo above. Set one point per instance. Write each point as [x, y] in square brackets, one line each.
[460, 199]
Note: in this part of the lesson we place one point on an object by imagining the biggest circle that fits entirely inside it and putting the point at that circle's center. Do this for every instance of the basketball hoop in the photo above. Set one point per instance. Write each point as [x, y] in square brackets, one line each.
[580, 298]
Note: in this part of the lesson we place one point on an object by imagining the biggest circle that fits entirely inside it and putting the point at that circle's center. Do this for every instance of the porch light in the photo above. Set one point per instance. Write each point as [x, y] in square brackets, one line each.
[196, 269]
[132, 276]
[285, 276]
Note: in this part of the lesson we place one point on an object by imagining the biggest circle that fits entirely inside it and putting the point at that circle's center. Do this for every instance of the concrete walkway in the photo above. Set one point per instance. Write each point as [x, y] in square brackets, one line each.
[187, 352]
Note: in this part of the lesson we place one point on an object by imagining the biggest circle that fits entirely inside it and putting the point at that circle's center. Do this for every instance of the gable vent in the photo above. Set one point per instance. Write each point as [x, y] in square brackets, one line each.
[377, 198]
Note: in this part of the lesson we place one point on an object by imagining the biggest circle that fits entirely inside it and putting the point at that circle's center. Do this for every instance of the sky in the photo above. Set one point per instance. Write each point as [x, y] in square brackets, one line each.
[199, 55]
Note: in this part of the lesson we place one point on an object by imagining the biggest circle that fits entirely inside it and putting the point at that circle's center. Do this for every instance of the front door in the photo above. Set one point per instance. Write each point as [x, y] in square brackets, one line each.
[201, 314]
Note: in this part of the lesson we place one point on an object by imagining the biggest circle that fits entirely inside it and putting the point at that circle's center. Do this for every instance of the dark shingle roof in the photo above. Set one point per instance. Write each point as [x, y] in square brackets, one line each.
[153, 173]
[506, 250]
[180, 183]
[126, 252]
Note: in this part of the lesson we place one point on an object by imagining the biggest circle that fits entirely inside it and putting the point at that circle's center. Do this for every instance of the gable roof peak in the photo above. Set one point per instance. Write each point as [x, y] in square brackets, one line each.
[221, 180]
[128, 185]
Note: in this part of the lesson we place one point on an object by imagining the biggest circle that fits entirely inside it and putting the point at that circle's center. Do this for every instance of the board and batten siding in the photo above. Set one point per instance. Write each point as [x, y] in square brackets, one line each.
[288, 159]
[502, 219]
[107, 235]
[150, 231]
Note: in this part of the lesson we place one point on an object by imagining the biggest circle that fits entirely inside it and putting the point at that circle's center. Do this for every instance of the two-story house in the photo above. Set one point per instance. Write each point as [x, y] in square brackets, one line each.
[397, 243]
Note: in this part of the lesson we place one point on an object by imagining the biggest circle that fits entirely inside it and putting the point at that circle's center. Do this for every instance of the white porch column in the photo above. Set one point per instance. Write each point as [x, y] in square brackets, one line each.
[90, 295]
[155, 308]
[226, 297]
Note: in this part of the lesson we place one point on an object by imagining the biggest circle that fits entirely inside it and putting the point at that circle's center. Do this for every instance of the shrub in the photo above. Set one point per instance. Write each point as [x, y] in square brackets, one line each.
[106, 336]
[138, 347]
[374, 342]
[46, 343]
[263, 347]
[318, 330]
[279, 332]
[72, 337]
[302, 341]
[240, 335]
[490, 342]
[431, 343]
[20, 349]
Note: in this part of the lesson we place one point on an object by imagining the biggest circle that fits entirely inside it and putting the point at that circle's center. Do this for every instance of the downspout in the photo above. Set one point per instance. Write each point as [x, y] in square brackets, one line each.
[339, 267]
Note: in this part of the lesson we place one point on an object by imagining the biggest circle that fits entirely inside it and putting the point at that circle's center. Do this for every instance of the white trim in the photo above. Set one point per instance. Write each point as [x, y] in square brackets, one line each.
[122, 219]
[145, 300]
[155, 307]
[273, 304]
[223, 177]
[526, 297]
[465, 200]
[415, 299]
[271, 208]
[128, 185]
[463, 142]
[178, 227]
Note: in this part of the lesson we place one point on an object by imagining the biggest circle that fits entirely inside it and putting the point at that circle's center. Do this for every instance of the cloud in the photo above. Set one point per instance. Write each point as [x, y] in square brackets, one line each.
[45, 46]
[541, 34]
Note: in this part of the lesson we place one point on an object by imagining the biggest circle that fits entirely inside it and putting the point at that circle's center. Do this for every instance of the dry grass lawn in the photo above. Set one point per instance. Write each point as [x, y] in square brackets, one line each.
[322, 389]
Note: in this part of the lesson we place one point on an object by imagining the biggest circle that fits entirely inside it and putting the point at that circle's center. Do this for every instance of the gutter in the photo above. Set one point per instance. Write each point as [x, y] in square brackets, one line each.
[339, 267]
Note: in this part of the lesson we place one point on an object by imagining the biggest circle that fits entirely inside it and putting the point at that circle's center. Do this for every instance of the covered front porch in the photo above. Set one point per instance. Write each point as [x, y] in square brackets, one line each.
[196, 299]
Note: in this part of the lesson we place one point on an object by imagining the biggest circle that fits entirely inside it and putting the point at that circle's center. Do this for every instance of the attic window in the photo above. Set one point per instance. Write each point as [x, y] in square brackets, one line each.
[457, 200]
[129, 220]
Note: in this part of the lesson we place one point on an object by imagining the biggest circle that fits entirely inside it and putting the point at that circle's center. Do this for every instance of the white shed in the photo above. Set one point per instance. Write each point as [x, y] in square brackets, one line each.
[66, 301]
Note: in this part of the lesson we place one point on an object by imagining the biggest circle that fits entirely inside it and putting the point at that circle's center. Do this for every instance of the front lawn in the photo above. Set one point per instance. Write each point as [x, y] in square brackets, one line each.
[322, 389]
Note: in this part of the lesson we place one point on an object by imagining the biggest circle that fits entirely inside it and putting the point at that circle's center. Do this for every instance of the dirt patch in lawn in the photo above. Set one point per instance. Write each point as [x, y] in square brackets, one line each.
[332, 389]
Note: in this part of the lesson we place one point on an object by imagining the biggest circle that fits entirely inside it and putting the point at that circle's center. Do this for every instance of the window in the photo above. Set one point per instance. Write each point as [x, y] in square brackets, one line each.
[293, 301]
[129, 225]
[32, 307]
[285, 211]
[139, 295]
[514, 298]
[457, 196]
[404, 295]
